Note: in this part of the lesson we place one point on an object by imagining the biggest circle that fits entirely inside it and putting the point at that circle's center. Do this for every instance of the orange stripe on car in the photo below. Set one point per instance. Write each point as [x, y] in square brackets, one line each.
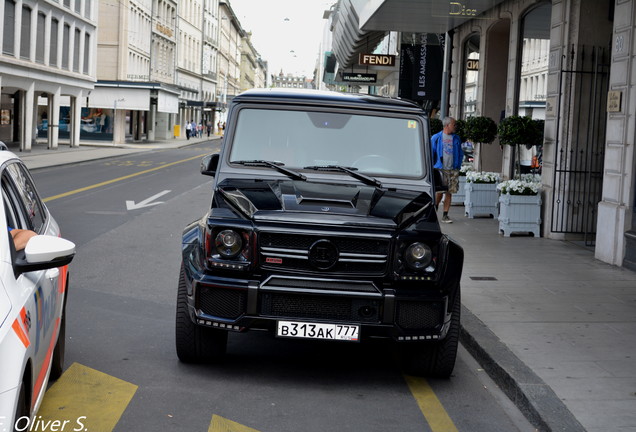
[22, 335]
[45, 365]
[62, 281]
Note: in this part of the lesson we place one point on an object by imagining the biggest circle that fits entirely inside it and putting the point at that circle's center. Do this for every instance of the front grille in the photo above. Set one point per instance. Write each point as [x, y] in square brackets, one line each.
[320, 284]
[367, 256]
[285, 305]
[420, 315]
[220, 302]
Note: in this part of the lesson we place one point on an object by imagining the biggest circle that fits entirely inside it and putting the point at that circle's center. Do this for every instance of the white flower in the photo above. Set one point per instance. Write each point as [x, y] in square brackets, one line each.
[519, 187]
[465, 168]
[536, 178]
[482, 177]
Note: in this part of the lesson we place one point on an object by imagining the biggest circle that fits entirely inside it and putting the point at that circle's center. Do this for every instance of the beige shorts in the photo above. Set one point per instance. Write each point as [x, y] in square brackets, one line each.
[451, 179]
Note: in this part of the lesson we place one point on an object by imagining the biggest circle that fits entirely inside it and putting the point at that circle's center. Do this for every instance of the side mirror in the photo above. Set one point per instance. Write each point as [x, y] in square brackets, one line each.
[438, 180]
[209, 164]
[44, 252]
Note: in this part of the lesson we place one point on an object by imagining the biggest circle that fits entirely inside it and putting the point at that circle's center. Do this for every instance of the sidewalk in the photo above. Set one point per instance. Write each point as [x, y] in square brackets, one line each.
[555, 327]
[40, 156]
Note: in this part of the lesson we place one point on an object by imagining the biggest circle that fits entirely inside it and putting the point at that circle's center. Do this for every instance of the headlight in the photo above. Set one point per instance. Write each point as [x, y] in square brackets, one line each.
[418, 255]
[228, 243]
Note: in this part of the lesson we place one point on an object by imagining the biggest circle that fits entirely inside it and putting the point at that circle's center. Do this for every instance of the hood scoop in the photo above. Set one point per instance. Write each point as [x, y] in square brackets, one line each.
[316, 197]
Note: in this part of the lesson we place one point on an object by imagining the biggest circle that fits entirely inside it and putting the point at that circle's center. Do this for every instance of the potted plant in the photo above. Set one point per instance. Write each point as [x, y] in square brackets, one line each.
[460, 129]
[435, 125]
[480, 130]
[460, 196]
[520, 205]
[516, 130]
[481, 193]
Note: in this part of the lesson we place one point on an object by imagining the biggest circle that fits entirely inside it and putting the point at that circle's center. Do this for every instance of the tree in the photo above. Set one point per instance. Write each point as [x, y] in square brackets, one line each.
[481, 130]
[516, 130]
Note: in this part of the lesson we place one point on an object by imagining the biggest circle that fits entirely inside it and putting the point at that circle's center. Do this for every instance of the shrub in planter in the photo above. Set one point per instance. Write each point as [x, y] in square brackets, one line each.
[460, 129]
[435, 125]
[516, 130]
[481, 130]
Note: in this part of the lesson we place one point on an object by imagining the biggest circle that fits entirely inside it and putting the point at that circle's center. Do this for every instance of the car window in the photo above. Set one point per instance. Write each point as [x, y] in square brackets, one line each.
[373, 144]
[10, 210]
[29, 210]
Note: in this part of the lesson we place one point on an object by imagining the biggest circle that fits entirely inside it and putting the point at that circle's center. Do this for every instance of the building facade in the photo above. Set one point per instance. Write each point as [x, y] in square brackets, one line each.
[536, 58]
[290, 81]
[47, 68]
[231, 35]
[134, 97]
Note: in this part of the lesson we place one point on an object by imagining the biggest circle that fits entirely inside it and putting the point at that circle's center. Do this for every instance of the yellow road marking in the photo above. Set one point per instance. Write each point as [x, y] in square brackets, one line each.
[435, 414]
[86, 398]
[220, 424]
[107, 182]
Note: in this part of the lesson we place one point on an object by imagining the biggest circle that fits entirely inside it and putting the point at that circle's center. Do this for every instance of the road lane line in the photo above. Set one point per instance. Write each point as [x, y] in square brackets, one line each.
[107, 182]
[220, 424]
[85, 397]
[433, 410]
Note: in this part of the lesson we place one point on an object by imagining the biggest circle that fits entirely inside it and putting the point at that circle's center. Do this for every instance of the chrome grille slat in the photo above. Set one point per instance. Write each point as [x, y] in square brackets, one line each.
[358, 255]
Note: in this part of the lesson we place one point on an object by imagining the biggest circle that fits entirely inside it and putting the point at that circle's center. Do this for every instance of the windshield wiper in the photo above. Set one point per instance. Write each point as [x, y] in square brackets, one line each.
[278, 166]
[349, 170]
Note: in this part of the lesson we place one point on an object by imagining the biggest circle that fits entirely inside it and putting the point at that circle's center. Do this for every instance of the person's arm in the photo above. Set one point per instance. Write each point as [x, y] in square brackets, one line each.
[21, 237]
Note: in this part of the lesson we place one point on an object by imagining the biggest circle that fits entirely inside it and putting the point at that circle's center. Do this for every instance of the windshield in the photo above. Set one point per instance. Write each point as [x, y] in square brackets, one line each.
[369, 144]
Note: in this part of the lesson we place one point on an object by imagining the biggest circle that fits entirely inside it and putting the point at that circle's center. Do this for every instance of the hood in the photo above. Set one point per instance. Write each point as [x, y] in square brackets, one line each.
[324, 203]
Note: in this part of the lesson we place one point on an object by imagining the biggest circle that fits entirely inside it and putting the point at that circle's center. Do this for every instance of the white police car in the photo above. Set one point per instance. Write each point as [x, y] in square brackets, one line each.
[33, 287]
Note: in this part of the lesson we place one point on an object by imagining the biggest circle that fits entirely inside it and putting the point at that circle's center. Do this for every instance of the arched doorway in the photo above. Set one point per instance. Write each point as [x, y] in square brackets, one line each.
[496, 54]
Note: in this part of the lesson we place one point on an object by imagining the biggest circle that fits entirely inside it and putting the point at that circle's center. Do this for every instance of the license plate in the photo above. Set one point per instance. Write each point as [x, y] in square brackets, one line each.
[305, 330]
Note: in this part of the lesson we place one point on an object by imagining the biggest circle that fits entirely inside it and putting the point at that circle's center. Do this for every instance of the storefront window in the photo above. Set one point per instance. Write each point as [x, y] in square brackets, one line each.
[471, 75]
[97, 124]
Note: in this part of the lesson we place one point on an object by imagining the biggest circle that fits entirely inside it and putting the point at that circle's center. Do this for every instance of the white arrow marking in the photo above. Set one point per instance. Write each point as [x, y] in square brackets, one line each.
[130, 205]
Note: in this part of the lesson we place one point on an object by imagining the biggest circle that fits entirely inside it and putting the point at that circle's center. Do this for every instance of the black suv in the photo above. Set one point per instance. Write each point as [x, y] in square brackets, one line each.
[322, 226]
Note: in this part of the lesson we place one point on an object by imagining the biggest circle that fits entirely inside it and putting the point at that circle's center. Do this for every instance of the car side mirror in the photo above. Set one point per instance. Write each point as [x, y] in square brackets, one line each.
[209, 164]
[44, 252]
[438, 180]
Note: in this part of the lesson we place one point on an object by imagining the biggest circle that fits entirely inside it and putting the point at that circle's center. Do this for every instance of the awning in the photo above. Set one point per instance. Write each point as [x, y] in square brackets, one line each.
[359, 25]
[421, 16]
[119, 98]
[167, 102]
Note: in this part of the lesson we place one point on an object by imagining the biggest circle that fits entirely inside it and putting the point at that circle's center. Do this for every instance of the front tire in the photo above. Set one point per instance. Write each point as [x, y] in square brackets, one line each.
[435, 360]
[196, 344]
[57, 362]
[22, 410]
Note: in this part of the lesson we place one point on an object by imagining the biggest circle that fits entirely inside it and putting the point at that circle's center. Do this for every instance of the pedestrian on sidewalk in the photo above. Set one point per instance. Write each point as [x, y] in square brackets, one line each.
[193, 129]
[447, 157]
[188, 129]
[208, 127]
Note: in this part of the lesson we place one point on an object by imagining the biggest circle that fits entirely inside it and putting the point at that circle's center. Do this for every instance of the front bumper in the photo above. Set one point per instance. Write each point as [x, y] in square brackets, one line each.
[241, 305]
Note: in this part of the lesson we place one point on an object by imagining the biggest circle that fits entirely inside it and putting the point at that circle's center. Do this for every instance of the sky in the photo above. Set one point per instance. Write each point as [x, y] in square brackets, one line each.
[286, 33]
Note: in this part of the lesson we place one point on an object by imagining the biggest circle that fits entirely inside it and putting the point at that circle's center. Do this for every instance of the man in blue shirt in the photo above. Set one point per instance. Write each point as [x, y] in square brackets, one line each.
[447, 158]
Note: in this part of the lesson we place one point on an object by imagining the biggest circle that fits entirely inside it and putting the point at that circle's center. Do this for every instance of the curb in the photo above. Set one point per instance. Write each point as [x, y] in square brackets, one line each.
[536, 400]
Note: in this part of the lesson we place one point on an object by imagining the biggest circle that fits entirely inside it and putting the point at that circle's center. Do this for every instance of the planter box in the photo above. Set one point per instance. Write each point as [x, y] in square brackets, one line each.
[460, 196]
[520, 214]
[481, 199]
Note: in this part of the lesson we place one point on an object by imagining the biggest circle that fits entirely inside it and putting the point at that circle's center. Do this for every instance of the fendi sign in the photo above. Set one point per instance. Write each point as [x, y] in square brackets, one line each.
[377, 59]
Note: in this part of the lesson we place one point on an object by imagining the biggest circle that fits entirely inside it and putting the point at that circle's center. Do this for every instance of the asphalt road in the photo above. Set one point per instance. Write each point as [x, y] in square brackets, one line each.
[123, 373]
